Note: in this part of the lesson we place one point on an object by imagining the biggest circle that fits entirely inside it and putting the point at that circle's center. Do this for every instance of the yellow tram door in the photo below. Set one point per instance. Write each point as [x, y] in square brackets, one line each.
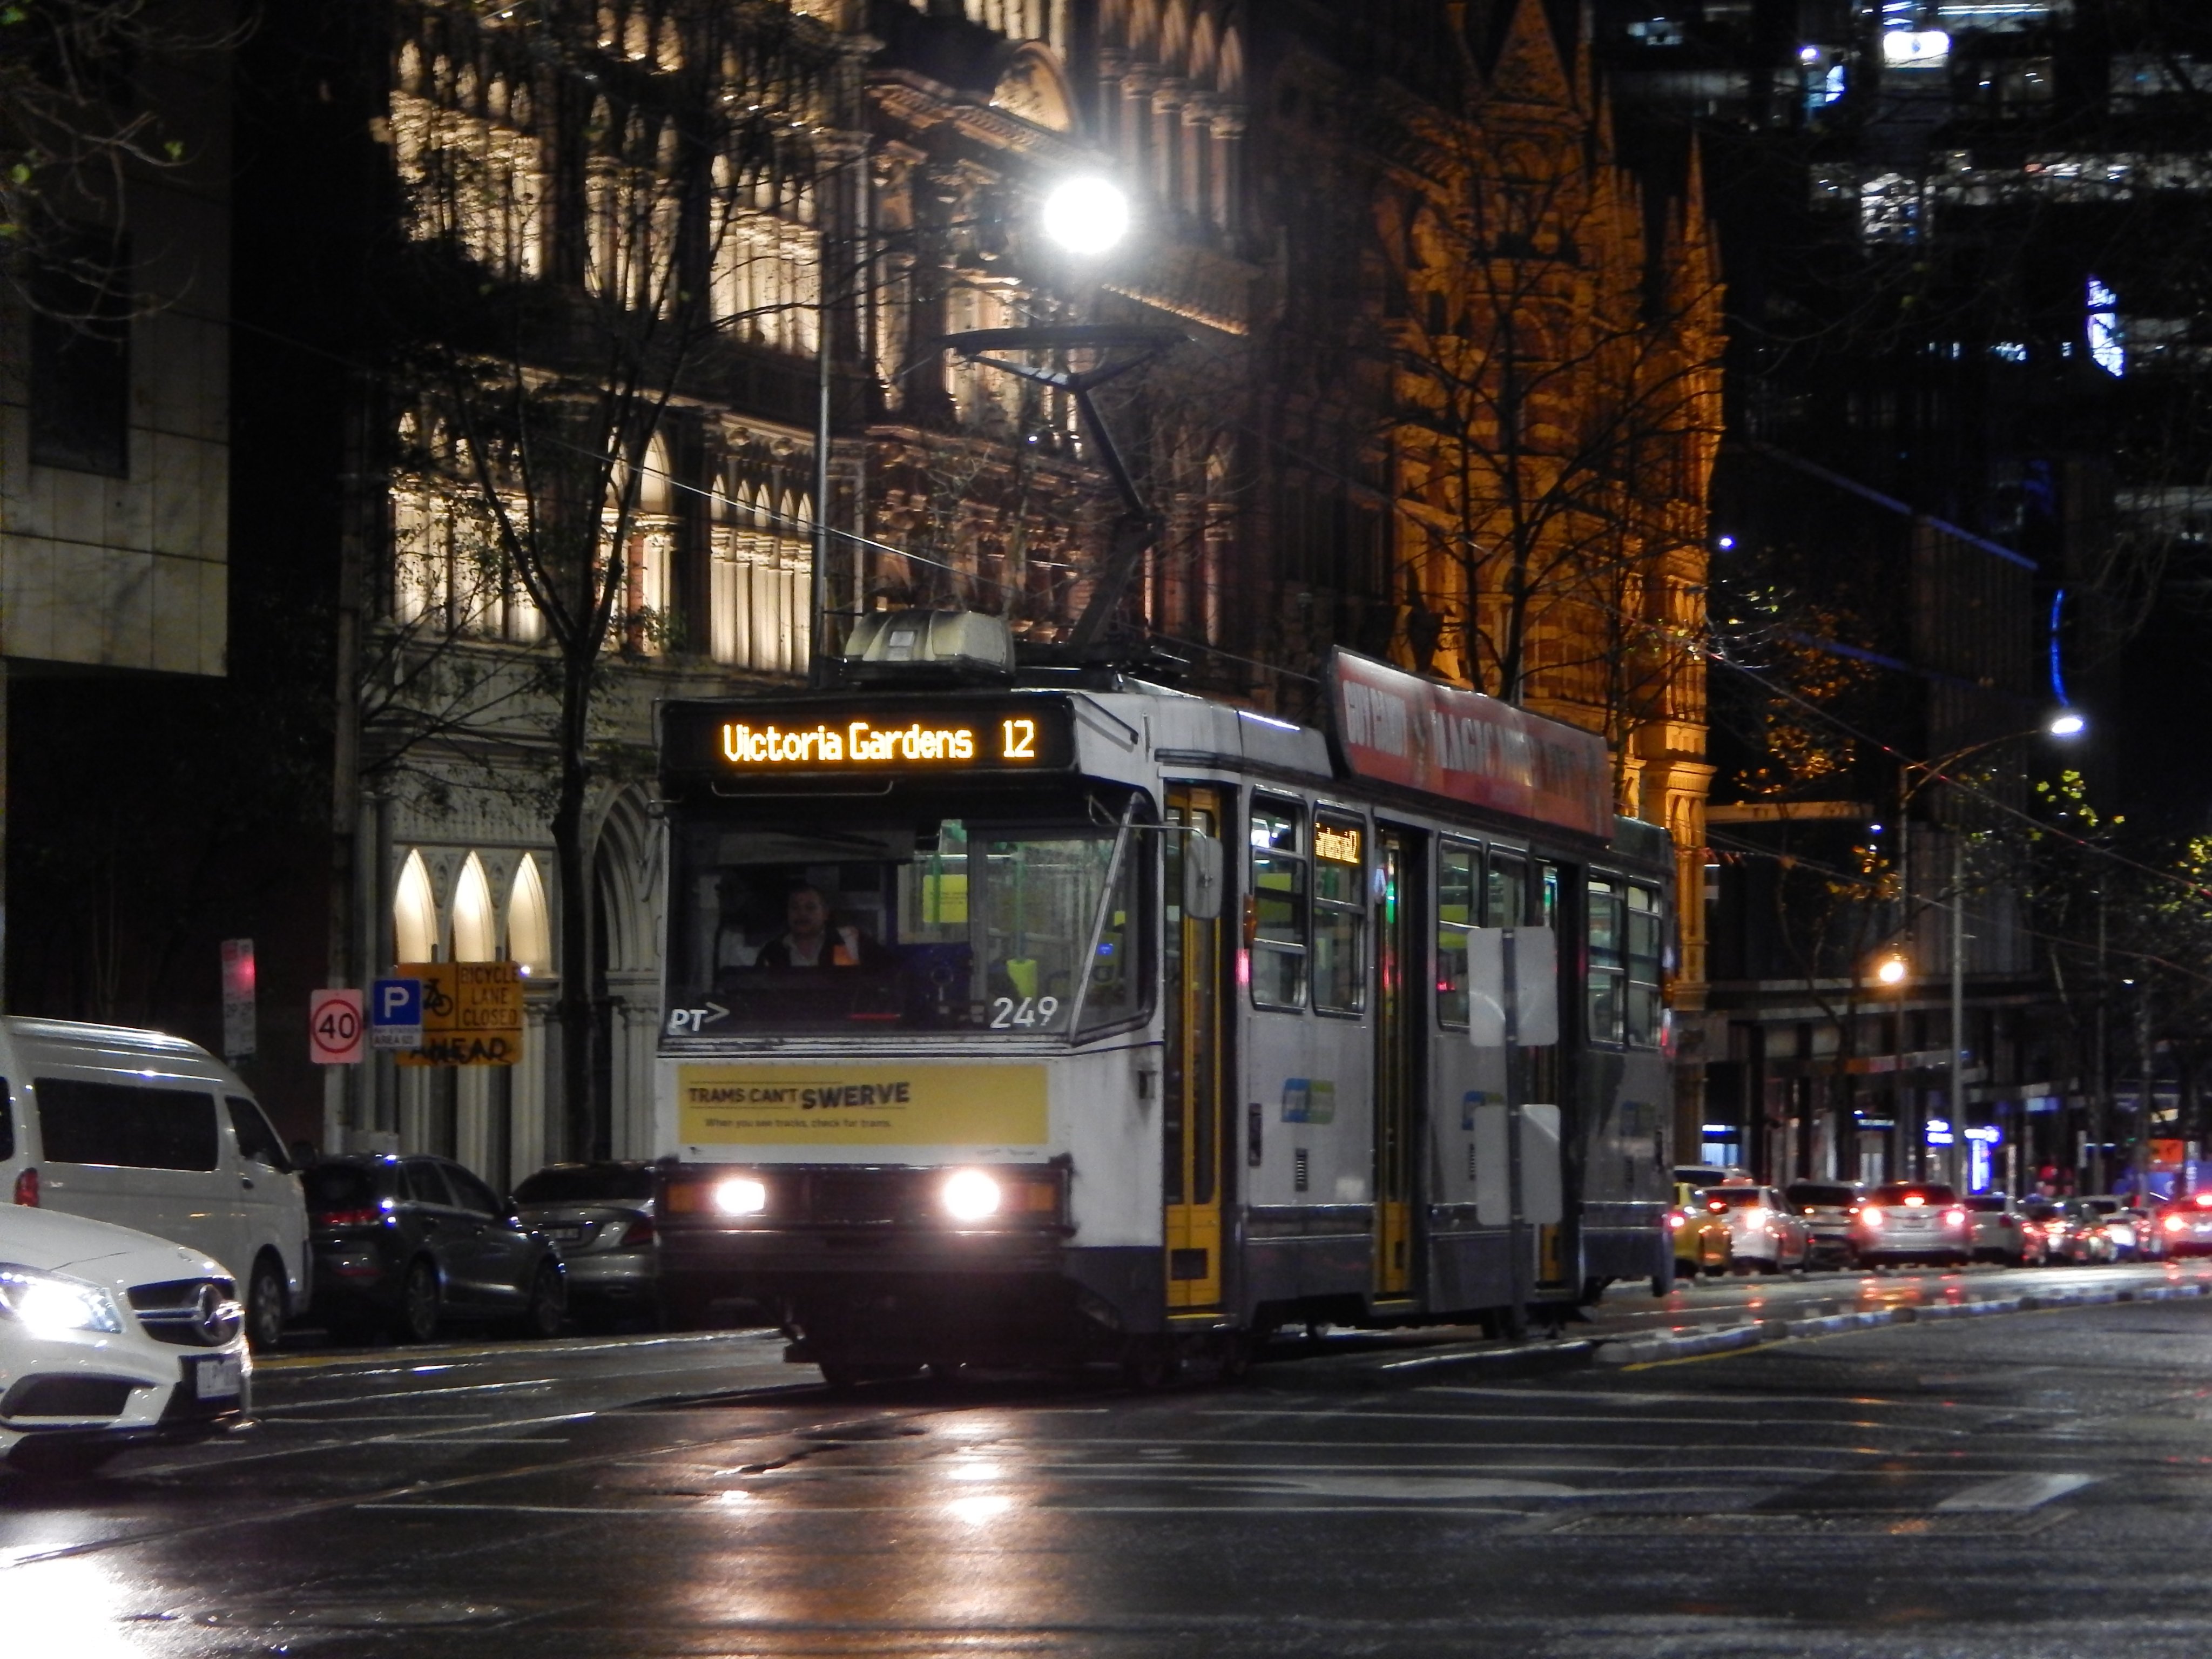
[1191, 1121]
[1398, 1032]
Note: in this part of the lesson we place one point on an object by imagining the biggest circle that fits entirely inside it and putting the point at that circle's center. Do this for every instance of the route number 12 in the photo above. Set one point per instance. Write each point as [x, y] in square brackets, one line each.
[1017, 740]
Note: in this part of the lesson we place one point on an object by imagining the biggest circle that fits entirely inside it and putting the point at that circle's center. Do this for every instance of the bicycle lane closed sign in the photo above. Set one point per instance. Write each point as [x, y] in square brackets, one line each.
[472, 1013]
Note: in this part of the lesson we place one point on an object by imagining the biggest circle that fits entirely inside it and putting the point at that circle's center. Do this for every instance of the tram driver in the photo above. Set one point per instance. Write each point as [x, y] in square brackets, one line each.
[810, 940]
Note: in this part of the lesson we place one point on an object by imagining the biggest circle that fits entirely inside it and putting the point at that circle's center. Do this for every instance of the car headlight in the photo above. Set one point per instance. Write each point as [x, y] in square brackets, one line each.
[49, 1304]
[969, 1195]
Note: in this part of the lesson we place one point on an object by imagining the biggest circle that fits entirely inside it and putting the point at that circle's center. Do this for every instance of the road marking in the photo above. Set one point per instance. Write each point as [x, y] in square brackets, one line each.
[441, 1437]
[517, 1509]
[2016, 1492]
[324, 1362]
[1639, 1419]
[391, 1396]
[373, 1417]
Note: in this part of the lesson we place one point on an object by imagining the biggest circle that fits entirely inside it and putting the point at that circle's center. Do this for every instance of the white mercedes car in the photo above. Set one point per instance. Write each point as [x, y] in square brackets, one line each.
[108, 1339]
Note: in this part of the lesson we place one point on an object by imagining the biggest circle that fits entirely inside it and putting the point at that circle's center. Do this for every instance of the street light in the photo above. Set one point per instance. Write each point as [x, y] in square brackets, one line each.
[1087, 215]
[2066, 724]
[1891, 969]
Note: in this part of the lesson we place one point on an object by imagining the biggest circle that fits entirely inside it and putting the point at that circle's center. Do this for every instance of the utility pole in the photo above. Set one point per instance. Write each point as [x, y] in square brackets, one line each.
[2142, 1159]
[1957, 1104]
[2098, 1035]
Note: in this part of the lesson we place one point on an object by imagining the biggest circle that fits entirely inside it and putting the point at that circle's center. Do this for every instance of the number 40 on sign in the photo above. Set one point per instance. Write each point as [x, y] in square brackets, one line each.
[335, 1027]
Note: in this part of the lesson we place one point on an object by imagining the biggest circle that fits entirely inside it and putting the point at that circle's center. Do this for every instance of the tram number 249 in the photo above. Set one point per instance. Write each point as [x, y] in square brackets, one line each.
[1008, 1012]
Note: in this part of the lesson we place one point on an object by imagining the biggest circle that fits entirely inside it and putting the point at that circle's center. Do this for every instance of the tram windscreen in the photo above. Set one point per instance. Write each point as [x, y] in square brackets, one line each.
[949, 925]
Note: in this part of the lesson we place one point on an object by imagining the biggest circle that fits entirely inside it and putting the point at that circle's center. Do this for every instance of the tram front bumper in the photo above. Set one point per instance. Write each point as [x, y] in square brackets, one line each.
[899, 1297]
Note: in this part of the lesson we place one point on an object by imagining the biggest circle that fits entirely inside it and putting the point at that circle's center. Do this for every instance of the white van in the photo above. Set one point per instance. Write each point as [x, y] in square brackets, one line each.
[151, 1132]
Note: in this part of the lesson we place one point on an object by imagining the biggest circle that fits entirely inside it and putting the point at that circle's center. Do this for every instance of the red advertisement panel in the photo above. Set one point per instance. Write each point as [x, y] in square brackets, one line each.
[1398, 728]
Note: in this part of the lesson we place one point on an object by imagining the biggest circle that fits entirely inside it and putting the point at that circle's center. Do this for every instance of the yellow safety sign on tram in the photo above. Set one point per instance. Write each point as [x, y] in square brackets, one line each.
[472, 1013]
[877, 1104]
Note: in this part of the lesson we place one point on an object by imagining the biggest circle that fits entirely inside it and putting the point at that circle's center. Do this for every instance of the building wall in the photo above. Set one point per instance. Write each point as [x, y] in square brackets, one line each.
[1292, 501]
[127, 567]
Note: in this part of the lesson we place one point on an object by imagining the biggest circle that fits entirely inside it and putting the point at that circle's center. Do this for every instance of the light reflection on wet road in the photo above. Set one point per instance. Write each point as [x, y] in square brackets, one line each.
[2022, 1486]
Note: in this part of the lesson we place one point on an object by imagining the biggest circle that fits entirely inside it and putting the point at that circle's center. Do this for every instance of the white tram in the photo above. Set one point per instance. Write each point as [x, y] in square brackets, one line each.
[1072, 1025]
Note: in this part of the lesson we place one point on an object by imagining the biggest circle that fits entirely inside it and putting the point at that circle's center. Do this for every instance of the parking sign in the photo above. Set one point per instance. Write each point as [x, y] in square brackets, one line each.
[395, 1014]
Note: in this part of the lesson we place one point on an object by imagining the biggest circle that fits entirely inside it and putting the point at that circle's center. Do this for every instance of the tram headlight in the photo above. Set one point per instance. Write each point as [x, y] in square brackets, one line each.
[971, 1195]
[741, 1195]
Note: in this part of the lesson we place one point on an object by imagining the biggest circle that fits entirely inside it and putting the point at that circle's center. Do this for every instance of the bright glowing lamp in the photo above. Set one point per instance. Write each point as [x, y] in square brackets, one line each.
[1086, 216]
[2068, 723]
[969, 1195]
[741, 1196]
[1891, 970]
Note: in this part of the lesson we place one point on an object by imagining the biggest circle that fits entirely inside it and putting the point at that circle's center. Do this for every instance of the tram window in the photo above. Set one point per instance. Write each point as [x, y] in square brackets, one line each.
[1458, 871]
[1643, 951]
[931, 925]
[1340, 956]
[1505, 902]
[1607, 935]
[1280, 890]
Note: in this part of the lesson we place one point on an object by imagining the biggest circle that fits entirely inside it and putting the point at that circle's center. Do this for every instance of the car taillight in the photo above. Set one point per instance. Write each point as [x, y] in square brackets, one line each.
[1677, 1220]
[1871, 1216]
[1956, 1218]
[2175, 1223]
[367, 1218]
[26, 1189]
[637, 1235]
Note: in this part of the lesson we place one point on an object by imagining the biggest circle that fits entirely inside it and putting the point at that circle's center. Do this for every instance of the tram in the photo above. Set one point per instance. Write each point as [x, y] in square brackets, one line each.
[1070, 1023]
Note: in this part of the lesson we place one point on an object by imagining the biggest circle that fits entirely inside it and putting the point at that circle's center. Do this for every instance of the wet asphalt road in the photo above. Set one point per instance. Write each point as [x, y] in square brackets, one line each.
[2031, 1484]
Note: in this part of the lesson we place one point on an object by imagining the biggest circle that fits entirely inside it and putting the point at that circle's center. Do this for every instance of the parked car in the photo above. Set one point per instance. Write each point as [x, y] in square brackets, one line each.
[1763, 1232]
[2045, 1221]
[154, 1132]
[410, 1243]
[2120, 1223]
[1912, 1221]
[1828, 1207]
[2184, 1224]
[2000, 1232]
[1701, 1234]
[2077, 1236]
[110, 1338]
[599, 1217]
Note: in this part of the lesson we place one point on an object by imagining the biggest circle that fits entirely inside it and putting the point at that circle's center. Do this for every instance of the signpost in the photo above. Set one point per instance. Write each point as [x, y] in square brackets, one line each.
[335, 1027]
[395, 1019]
[238, 1032]
[470, 1014]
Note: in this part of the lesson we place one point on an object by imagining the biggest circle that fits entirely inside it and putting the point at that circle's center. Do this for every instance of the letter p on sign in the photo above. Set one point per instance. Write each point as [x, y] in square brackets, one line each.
[335, 1027]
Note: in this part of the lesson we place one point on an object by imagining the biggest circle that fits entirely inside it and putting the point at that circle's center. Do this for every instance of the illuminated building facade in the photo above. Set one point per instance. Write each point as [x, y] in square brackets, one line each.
[1447, 396]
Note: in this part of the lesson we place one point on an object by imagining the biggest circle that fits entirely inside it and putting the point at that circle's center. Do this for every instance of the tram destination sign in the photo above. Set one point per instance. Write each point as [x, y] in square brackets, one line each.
[878, 736]
[1398, 728]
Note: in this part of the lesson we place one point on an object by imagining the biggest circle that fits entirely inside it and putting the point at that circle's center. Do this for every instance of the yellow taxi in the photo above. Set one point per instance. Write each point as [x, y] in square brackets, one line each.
[1701, 1234]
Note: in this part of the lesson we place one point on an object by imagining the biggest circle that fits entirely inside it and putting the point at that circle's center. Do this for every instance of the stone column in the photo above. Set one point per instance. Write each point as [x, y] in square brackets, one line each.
[528, 1143]
[1136, 119]
[1168, 155]
[1226, 135]
[1113, 64]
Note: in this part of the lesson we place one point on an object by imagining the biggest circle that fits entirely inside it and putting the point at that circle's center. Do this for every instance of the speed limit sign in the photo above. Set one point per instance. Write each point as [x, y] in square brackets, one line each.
[335, 1027]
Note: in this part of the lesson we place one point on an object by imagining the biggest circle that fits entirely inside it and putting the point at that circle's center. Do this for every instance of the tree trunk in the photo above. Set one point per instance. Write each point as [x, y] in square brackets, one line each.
[573, 862]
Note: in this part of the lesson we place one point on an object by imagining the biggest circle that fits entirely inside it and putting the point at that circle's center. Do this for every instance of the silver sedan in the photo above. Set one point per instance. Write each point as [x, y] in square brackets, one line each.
[599, 1217]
